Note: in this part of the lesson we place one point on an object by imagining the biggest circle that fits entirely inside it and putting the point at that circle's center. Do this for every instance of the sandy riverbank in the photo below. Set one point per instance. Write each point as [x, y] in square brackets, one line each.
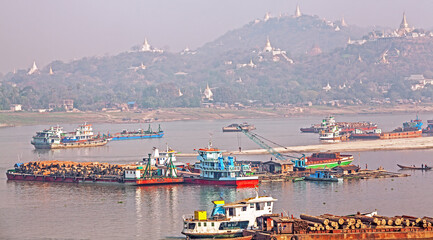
[349, 146]
[185, 114]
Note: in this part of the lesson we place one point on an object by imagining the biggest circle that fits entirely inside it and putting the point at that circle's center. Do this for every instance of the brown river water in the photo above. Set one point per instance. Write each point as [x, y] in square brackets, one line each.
[33, 210]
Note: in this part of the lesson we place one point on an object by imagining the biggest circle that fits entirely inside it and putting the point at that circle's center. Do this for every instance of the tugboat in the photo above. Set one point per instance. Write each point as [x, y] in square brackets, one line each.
[331, 134]
[227, 220]
[139, 134]
[323, 175]
[218, 170]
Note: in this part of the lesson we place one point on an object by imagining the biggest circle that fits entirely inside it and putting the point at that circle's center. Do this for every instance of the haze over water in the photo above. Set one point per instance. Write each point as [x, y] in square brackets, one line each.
[32, 210]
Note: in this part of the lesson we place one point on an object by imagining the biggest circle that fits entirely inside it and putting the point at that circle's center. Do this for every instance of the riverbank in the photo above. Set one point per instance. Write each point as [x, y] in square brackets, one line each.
[349, 146]
[185, 114]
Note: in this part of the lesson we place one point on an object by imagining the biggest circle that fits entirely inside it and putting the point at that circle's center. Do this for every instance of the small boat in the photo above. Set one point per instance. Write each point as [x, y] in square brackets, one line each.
[235, 127]
[323, 175]
[298, 179]
[414, 168]
[227, 220]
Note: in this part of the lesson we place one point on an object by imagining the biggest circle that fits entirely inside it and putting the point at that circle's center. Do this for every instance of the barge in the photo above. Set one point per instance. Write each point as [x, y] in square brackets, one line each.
[410, 129]
[94, 172]
[328, 226]
[139, 134]
[345, 127]
[235, 127]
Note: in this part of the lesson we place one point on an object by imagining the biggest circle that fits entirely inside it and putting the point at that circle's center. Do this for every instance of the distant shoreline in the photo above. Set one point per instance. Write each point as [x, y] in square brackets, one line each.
[187, 114]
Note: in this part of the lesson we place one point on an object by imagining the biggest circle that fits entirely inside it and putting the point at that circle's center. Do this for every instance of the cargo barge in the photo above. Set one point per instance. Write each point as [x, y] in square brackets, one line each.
[345, 127]
[327, 227]
[328, 160]
[235, 127]
[94, 172]
[410, 130]
[218, 170]
[139, 134]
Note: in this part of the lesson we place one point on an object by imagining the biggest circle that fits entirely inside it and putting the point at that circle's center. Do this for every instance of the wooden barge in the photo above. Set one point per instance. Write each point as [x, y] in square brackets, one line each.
[327, 227]
[93, 172]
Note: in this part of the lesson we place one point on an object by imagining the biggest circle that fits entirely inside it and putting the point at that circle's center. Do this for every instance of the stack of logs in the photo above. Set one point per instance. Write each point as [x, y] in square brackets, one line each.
[73, 169]
[331, 222]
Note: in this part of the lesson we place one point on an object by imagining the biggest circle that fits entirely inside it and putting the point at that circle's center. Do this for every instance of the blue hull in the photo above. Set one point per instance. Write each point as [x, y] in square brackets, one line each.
[157, 135]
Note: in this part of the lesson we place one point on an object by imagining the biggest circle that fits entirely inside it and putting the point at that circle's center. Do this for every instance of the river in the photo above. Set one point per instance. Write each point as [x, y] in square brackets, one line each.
[34, 210]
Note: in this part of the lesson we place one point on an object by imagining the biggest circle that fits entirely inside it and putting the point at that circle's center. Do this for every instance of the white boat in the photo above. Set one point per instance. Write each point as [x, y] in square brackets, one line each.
[330, 133]
[227, 219]
[47, 137]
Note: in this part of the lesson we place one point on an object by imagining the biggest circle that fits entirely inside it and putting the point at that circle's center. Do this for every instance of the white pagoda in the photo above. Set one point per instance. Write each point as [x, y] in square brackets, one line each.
[147, 48]
[33, 69]
[207, 94]
[268, 47]
[297, 12]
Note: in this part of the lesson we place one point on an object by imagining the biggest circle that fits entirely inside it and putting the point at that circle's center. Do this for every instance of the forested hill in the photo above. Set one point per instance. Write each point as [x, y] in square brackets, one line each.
[307, 54]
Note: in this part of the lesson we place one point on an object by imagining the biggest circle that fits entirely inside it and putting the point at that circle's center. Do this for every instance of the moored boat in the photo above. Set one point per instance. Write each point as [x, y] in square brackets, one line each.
[345, 127]
[227, 220]
[56, 138]
[235, 127]
[215, 169]
[425, 167]
[94, 172]
[139, 134]
[323, 175]
[328, 160]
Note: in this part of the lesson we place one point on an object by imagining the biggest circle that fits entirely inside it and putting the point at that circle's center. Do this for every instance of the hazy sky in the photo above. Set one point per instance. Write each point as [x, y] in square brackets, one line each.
[47, 30]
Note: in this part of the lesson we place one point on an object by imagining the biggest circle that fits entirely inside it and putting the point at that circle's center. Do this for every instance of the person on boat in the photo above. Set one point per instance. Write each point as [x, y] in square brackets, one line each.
[422, 166]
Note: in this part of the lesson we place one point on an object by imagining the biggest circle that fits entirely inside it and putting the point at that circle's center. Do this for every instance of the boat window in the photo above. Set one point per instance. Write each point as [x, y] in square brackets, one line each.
[212, 224]
[191, 225]
[204, 224]
[199, 224]
[268, 204]
[244, 209]
[260, 206]
[231, 212]
[251, 205]
[233, 225]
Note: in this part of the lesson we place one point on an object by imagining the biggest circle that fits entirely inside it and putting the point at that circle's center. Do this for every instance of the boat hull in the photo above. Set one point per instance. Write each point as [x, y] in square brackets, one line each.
[132, 137]
[71, 145]
[328, 164]
[132, 182]
[385, 233]
[321, 179]
[239, 182]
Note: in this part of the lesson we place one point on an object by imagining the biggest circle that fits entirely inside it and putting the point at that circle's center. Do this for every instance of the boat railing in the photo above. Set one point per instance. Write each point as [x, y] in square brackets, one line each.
[188, 217]
[246, 168]
[234, 168]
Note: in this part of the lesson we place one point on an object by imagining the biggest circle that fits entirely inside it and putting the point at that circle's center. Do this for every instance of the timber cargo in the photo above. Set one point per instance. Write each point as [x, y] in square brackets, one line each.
[94, 172]
[328, 226]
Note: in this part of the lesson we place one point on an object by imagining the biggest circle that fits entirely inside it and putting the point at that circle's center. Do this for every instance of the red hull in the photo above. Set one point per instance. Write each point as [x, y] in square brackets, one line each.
[41, 178]
[237, 183]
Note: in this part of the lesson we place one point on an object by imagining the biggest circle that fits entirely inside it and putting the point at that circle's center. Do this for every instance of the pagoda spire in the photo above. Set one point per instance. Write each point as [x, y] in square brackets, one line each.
[268, 47]
[404, 24]
[267, 16]
[298, 11]
[51, 71]
[343, 22]
[33, 69]
[146, 46]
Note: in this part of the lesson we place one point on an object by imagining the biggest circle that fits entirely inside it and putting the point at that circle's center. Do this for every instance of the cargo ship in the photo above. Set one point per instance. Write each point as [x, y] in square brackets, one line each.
[235, 127]
[139, 134]
[227, 220]
[328, 226]
[345, 127]
[218, 170]
[56, 138]
[409, 130]
[332, 133]
[94, 172]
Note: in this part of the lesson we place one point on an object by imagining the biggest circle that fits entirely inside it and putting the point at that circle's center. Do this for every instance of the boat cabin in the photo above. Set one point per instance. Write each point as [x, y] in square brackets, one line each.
[278, 166]
[348, 169]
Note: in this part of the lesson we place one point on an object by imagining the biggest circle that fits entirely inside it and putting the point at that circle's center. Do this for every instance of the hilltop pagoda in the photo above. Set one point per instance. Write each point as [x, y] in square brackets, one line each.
[34, 69]
[297, 12]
